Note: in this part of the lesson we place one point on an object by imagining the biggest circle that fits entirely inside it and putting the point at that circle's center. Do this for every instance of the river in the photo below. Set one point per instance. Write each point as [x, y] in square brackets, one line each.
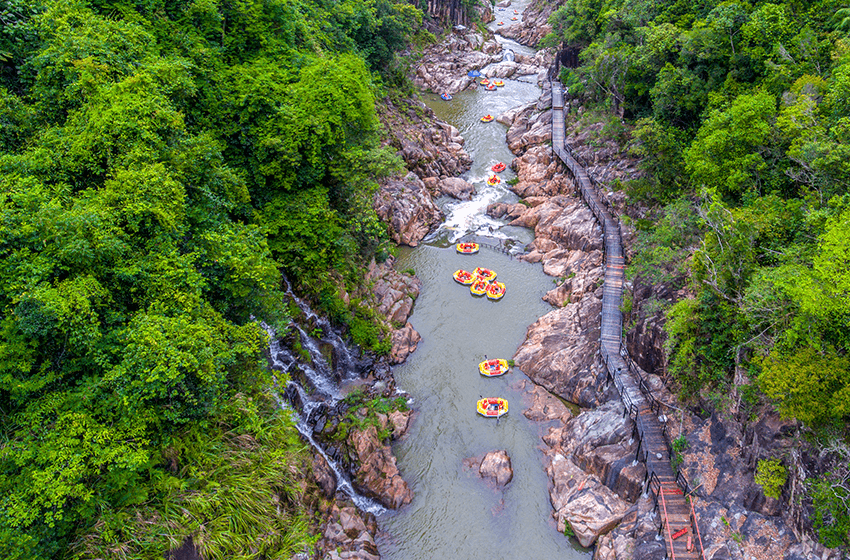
[454, 514]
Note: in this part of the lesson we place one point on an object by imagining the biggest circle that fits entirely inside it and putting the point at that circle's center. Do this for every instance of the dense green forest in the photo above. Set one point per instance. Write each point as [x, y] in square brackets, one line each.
[741, 114]
[161, 164]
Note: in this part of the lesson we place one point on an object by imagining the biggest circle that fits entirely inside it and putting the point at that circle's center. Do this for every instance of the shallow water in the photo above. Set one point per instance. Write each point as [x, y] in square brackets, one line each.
[454, 514]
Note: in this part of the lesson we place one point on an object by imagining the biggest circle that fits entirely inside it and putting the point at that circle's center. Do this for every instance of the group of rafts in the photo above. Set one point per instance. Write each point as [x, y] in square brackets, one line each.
[512, 19]
[483, 281]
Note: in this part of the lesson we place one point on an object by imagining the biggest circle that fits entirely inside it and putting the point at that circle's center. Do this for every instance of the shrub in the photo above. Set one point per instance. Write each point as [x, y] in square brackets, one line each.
[771, 476]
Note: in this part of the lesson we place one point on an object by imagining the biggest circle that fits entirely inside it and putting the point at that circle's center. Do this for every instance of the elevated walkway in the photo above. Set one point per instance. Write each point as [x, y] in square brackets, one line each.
[679, 525]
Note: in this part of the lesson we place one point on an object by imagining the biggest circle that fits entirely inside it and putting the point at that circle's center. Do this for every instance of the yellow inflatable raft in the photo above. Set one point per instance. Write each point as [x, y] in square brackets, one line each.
[496, 291]
[492, 407]
[463, 277]
[493, 368]
[479, 287]
[467, 248]
[485, 274]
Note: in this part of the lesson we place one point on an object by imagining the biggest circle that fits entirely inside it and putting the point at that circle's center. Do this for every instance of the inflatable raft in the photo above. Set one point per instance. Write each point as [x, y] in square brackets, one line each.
[446, 97]
[493, 180]
[492, 407]
[487, 118]
[496, 291]
[467, 248]
[463, 277]
[479, 287]
[493, 368]
[498, 168]
[485, 274]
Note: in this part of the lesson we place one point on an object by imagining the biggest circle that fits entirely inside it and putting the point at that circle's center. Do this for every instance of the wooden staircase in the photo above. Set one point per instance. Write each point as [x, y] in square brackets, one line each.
[678, 520]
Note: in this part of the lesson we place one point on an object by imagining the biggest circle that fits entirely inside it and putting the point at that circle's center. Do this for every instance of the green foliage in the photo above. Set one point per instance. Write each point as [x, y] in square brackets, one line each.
[160, 164]
[661, 249]
[700, 331]
[812, 386]
[727, 155]
[365, 332]
[771, 475]
[363, 412]
[743, 109]
[232, 485]
[831, 498]
[678, 445]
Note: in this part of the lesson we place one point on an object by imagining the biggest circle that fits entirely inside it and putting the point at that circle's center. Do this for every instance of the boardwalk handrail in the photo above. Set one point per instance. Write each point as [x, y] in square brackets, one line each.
[639, 401]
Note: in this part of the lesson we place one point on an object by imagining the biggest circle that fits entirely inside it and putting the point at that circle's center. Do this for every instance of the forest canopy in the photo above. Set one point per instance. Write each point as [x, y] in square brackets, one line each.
[738, 110]
[161, 164]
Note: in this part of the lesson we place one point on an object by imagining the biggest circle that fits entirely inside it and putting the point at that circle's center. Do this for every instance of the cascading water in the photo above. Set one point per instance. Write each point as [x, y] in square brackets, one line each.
[324, 393]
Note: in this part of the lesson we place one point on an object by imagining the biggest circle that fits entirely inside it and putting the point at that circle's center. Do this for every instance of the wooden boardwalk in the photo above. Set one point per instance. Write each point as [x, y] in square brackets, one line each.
[678, 521]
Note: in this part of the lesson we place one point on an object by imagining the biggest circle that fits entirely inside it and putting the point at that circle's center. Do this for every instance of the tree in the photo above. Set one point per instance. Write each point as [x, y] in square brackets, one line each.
[809, 385]
[729, 152]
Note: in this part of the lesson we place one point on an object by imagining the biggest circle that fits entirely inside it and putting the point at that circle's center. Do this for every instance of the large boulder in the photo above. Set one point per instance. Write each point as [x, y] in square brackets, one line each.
[348, 534]
[544, 406]
[581, 500]
[496, 466]
[456, 187]
[393, 293]
[561, 353]
[508, 117]
[504, 69]
[599, 441]
[581, 273]
[408, 208]
[404, 342]
[377, 475]
[569, 223]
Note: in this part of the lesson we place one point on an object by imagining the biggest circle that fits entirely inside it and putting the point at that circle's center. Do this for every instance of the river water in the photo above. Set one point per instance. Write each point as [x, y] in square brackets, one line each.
[454, 514]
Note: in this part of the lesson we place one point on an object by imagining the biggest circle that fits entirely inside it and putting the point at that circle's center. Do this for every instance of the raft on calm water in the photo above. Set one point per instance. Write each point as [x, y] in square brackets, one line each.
[485, 274]
[493, 368]
[467, 248]
[479, 287]
[496, 291]
[492, 407]
[463, 277]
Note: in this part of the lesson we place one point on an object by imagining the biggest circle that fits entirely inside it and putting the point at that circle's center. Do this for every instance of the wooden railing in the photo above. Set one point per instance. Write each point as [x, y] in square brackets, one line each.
[678, 517]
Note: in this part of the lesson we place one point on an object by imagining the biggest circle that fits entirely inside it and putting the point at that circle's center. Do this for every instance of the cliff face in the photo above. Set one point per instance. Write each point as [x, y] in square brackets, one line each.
[453, 12]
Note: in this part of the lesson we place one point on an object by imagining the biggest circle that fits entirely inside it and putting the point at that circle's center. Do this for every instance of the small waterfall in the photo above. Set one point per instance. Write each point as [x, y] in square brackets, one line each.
[508, 55]
[324, 394]
[345, 365]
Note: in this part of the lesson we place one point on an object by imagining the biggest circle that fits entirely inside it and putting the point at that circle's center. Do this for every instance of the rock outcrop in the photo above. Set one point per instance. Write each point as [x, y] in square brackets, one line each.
[443, 67]
[544, 406]
[561, 352]
[408, 208]
[377, 475]
[456, 187]
[348, 534]
[581, 500]
[392, 296]
[404, 342]
[599, 441]
[534, 25]
[429, 147]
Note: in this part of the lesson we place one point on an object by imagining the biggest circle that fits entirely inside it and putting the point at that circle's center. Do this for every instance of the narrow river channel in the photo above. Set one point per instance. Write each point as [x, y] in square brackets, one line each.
[454, 514]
